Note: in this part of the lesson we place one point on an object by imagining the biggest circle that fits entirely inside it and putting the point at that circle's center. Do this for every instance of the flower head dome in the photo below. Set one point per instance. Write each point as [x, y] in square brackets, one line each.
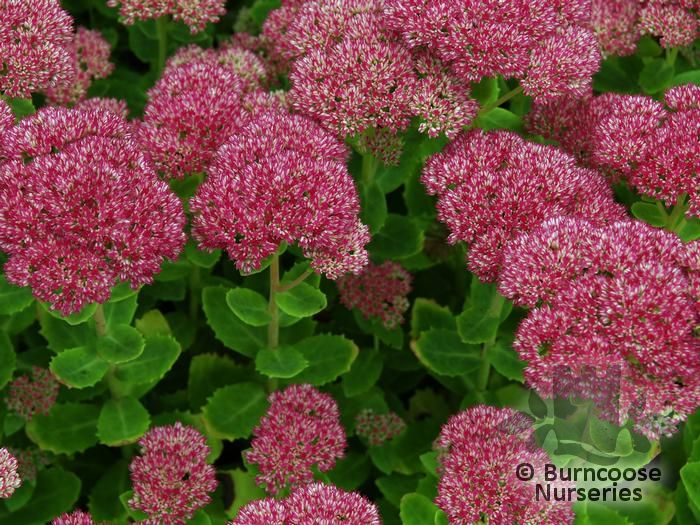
[77, 517]
[31, 394]
[280, 179]
[194, 13]
[171, 477]
[615, 25]
[378, 428]
[81, 209]
[300, 430]
[35, 45]
[9, 477]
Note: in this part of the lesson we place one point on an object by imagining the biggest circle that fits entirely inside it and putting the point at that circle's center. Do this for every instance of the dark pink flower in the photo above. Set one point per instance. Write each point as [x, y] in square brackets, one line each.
[171, 478]
[77, 517]
[378, 292]
[615, 25]
[378, 428]
[194, 13]
[35, 45]
[9, 478]
[626, 312]
[32, 394]
[81, 209]
[280, 179]
[7, 117]
[301, 430]
[113, 105]
[319, 503]
[682, 98]
[267, 511]
[676, 26]
[480, 450]
[90, 53]
[493, 186]
[192, 110]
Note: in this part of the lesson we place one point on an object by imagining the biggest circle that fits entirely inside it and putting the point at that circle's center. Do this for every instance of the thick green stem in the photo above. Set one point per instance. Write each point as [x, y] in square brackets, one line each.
[677, 218]
[162, 34]
[671, 55]
[369, 168]
[273, 329]
[505, 98]
[296, 282]
[485, 370]
[100, 321]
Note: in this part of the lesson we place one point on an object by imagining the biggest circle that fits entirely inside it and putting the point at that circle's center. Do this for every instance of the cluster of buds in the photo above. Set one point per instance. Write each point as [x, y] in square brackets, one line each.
[194, 13]
[33, 393]
[378, 428]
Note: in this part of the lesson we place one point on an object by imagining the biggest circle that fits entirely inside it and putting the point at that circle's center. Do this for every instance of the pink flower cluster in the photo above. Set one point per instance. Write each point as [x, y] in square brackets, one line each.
[90, 52]
[9, 477]
[354, 74]
[378, 428]
[81, 209]
[378, 292]
[311, 505]
[35, 46]
[301, 430]
[493, 186]
[480, 450]
[619, 24]
[654, 148]
[282, 178]
[77, 517]
[194, 13]
[171, 478]
[32, 394]
[621, 300]
[547, 45]
[28, 462]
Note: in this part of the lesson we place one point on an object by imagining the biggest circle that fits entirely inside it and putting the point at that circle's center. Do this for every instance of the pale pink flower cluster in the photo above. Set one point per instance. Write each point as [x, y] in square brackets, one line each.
[77, 517]
[194, 13]
[311, 505]
[619, 24]
[9, 477]
[171, 478]
[633, 137]
[29, 461]
[479, 453]
[35, 46]
[620, 300]
[378, 428]
[353, 73]
[378, 292]
[282, 178]
[81, 209]
[33, 393]
[493, 186]
[90, 53]
[300, 431]
[547, 45]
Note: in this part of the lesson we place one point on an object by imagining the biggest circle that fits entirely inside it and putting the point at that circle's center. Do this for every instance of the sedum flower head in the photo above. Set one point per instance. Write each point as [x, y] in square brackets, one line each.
[81, 209]
[171, 478]
[479, 450]
[194, 13]
[493, 186]
[615, 25]
[90, 52]
[35, 45]
[267, 511]
[675, 25]
[378, 428]
[32, 394]
[9, 477]
[282, 178]
[378, 292]
[77, 517]
[621, 302]
[300, 431]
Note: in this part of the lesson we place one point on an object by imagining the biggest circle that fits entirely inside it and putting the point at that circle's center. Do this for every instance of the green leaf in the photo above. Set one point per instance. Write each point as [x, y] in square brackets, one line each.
[301, 301]
[122, 343]
[479, 322]
[233, 411]
[690, 475]
[250, 306]
[228, 328]
[159, 354]
[201, 258]
[486, 91]
[649, 213]
[56, 492]
[506, 361]
[79, 367]
[364, 373]
[399, 238]
[500, 118]
[589, 513]
[68, 428]
[122, 421]
[687, 77]
[137, 515]
[416, 509]
[656, 76]
[328, 355]
[73, 319]
[121, 311]
[427, 314]
[13, 299]
[444, 352]
[8, 360]
[208, 372]
[351, 471]
[104, 502]
[62, 336]
[245, 490]
[689, 230]
[374, 209]
[153, 323]
[283, 362]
